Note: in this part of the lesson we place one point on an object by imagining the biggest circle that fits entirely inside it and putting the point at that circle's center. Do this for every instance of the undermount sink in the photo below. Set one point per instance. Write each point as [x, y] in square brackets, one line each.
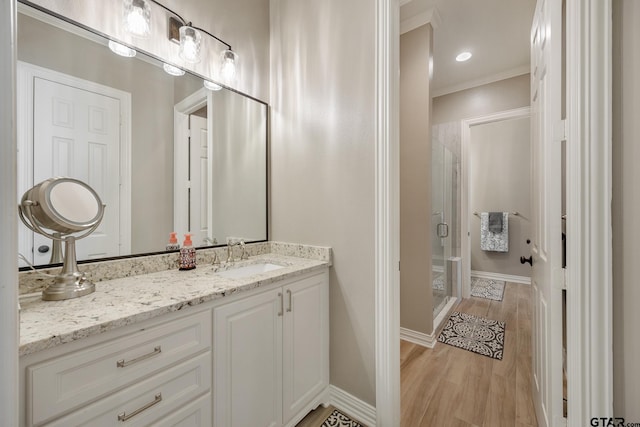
[248, 270]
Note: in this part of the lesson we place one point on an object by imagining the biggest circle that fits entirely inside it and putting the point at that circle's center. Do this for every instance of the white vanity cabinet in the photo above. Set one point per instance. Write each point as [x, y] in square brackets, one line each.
[135, 376]
[271, 360]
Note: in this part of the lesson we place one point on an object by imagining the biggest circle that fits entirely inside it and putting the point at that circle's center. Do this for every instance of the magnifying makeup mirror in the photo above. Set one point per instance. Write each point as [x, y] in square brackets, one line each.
[66, 206]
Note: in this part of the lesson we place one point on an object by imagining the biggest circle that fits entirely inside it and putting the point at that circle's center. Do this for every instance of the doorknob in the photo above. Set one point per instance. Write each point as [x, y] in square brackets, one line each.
[529, 260]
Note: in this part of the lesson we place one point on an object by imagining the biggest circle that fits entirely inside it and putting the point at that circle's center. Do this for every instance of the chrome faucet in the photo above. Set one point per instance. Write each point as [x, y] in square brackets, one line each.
[231, 244]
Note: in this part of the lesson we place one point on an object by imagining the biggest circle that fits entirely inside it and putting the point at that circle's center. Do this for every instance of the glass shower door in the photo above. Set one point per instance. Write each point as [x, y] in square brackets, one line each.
[443, 222]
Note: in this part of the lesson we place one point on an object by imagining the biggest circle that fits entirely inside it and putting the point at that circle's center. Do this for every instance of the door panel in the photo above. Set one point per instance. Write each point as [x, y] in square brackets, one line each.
[79, 131]
[198, 203]
[546, 248]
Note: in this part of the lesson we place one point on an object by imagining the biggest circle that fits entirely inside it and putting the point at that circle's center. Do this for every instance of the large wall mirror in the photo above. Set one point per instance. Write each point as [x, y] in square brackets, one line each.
[163, 152]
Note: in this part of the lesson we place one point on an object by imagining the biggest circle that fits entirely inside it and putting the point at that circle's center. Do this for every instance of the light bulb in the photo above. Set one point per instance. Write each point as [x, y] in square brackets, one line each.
[228, 66]
[190, 41]
[121, 49]
[137, 17]
[211, 85]
[174, 71]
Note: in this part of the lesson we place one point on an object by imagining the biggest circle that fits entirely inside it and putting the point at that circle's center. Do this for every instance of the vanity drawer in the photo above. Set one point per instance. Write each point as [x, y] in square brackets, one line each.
[159, 400]
[71, 381]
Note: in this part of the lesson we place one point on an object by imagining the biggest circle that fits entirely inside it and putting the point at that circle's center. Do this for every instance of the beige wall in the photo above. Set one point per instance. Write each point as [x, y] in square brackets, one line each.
[322, 162]
[416, 294]
[500, 180]
[625, 208]
[478, 101]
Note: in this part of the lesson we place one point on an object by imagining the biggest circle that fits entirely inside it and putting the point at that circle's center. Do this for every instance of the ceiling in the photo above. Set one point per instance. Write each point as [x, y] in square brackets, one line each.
[496, 32]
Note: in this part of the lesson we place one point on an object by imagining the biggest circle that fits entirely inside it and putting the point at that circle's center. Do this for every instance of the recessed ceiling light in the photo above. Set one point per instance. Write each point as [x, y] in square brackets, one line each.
[464, 56]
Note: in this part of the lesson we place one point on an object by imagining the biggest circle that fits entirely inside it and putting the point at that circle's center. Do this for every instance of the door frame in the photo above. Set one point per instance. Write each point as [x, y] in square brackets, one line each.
[26, 73]
[465, 180]
[589, 276]
[181, 160]
[589, 191]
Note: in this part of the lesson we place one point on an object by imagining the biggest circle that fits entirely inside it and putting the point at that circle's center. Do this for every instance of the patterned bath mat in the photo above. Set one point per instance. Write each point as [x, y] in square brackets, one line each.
[487, 288]
[473, 333]
[338, 419]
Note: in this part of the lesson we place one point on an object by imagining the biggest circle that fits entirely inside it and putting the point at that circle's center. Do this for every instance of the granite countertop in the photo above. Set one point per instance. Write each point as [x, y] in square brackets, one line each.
[129, 300]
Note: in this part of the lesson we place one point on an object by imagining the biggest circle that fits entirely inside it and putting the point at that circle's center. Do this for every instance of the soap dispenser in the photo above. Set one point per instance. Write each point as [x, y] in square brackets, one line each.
[173, 244]
[187, 254]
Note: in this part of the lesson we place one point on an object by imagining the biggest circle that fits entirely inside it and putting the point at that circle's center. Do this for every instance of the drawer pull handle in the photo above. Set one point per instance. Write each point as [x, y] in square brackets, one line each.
[289, 309]
[123, 363]
[124, 417]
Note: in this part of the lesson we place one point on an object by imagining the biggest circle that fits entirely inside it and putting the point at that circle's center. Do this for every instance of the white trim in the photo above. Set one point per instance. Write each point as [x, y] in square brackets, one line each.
[352, 406]
[503, 75]
[589, 192]
[464, 181]
[499, 276]
[419, 338]
[9, 330]
[181, 160]
[26, 73]
[431, 16]
[387, 213]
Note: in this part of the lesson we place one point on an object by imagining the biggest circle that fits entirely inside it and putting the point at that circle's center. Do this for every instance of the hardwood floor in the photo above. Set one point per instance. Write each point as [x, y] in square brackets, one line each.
[448, 386]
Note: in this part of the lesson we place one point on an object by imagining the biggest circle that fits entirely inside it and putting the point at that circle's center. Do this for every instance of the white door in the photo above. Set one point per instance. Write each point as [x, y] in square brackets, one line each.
[247, 374]
[77, 134]
[306, 343]
[199, 177]
[546, 247]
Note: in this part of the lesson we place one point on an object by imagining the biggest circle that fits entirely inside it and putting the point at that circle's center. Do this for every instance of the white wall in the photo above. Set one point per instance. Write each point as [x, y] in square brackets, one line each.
[625, 209]
[322, 162]
[8, 228]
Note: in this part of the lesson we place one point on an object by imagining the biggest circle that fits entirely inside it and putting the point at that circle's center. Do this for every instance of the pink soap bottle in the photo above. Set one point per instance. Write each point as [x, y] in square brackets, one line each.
[173, 244]
[187, 254]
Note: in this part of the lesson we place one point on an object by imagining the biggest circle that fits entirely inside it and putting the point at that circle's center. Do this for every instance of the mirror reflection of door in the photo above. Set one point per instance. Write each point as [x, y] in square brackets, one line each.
[76, 129]
[199, 177]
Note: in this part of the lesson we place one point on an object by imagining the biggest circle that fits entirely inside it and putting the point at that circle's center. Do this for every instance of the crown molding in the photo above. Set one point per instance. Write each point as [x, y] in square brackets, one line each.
[431, 16]
[514, 72]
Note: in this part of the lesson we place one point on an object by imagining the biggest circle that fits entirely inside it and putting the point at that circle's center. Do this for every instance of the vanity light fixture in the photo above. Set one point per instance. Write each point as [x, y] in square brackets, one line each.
[137, 17]
[172, 70]
[190, 42]
[228, 66]
[464, 56]
[211, 85]
[121, 49]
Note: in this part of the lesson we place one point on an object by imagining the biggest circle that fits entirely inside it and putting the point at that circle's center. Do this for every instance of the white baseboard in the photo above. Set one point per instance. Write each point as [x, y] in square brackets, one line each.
[419, 338]
[497, 276]
[352, 406]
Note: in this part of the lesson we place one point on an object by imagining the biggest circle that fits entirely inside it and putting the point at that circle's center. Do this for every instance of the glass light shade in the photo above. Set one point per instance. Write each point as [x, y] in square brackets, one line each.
[137, 17]
[174, 71]
[211, 85]
[228, 66]
[121, 49]
[190, 43]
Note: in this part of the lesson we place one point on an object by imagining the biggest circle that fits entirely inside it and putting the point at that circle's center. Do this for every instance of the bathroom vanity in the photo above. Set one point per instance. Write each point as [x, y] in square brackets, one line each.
[230, 345]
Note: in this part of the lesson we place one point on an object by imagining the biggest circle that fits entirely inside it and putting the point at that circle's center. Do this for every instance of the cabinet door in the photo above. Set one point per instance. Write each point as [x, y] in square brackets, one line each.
[306, 342]
[248, 362]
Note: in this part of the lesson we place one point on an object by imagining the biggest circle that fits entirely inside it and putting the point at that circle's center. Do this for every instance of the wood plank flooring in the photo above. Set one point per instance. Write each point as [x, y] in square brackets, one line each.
[448, 386]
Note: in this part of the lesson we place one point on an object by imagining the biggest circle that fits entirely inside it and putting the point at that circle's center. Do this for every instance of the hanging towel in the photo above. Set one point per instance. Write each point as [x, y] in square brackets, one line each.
[498, 240]
[495, 222]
